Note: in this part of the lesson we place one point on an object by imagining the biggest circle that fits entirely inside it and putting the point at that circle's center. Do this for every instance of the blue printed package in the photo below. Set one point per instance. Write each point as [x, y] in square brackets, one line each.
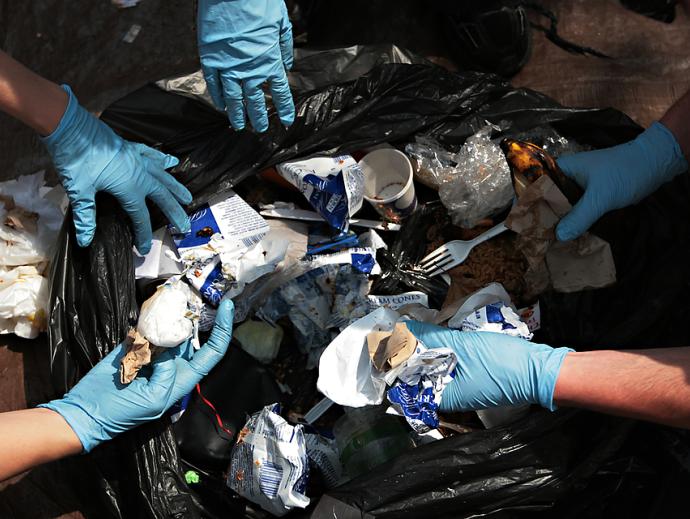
[226, 214]
[334, 186]
[416, 403]
[225, 227]
[419, 384]
[208, 279]
[269, 464]
[498, 318]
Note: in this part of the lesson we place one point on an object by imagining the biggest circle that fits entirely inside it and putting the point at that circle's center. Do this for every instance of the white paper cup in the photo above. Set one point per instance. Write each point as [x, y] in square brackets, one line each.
[388, 184]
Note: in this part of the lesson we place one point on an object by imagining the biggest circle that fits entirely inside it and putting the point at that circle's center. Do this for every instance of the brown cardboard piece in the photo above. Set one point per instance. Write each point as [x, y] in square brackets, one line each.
[586, 262]
[390, 349]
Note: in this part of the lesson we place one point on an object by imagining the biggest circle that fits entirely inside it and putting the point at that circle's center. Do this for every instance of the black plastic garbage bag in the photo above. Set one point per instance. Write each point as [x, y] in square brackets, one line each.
[391, 103]
[92, 295]
[525, 467]
[93, 305]
[218, 409]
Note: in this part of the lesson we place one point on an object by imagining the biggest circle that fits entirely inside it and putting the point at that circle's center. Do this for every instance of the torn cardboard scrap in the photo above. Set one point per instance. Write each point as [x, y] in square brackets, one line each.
[390, 349]
[567, 267]
[139, 354]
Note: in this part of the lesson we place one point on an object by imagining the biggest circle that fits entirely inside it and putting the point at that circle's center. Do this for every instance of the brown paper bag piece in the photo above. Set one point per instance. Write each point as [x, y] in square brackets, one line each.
[139, 354]
[567, 267]
[390, 349]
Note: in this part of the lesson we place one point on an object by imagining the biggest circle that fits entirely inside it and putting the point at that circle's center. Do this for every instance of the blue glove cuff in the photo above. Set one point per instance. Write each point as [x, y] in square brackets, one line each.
[79, 420]
[75, 135]
[549, 371]
[660, 143]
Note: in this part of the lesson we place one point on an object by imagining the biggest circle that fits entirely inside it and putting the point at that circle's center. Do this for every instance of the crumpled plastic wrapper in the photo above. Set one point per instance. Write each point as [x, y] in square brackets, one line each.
[419, 384]
[473, 184]
[317, 303]
[480, 185]
[431, 161]
[166, 318]
[269, 464]
[586, 262]
[547, 138]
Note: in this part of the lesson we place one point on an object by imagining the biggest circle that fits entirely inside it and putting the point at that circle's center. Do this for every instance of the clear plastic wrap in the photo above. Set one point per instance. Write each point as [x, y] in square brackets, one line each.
[479, 186]
[547, 138]
[431, 161]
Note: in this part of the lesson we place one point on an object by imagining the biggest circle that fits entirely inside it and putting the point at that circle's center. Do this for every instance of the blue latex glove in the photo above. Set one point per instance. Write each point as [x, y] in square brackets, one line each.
[616, 177]
[90, 157]
[494, 369]
[243, 44]
[99, 407]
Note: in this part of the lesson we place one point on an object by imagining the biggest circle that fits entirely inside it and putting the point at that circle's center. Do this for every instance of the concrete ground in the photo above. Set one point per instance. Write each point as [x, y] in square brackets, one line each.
[81, 43]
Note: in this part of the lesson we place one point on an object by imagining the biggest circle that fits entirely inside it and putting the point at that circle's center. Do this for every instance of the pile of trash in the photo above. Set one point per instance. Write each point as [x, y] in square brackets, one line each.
[31, 215]
[320, 236]
[303, 277]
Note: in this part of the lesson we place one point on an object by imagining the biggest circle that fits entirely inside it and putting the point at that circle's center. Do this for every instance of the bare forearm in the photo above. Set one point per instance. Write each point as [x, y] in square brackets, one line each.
[31, 437]
[651, 385]
[26, 96]
[677, 119]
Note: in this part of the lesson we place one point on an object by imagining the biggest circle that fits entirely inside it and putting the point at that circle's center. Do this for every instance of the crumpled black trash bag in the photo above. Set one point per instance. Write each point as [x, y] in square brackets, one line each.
[567, 465]
[236, 388]
[391, 103]
[527, 466]
[92, 305]
[409, 247]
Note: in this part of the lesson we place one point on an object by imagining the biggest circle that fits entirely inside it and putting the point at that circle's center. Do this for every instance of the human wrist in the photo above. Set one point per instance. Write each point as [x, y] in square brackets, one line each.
[48, 114]
[62, 432]
[548, 366]
[77, 132]
[78, 420]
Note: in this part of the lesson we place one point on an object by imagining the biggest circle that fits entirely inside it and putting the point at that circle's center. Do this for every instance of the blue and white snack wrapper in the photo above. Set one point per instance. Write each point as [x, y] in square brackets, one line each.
[226, 214]
[317, 301]
[419, 383]
[334, 186]
[269, 464]
[223, 249]
[496, 317]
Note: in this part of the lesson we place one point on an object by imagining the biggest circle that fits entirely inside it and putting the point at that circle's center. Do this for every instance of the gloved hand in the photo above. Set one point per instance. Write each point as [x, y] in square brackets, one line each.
[243, 44]
[90, 157]
[99, 407]
[494, 369]
[616, 177]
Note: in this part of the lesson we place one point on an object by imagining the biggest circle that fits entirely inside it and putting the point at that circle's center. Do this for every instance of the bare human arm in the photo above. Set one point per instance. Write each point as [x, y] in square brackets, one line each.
[31, 437]
[99, 407]
[496, 370]
[89, 157]
[28, 97]
[652, 385]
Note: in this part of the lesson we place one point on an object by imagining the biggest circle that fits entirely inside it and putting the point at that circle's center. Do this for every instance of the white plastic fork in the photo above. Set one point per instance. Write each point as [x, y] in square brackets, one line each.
[455, 252]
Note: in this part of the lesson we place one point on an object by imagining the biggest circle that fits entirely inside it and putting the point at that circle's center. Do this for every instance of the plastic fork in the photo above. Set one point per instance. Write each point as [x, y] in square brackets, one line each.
[455, 252]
